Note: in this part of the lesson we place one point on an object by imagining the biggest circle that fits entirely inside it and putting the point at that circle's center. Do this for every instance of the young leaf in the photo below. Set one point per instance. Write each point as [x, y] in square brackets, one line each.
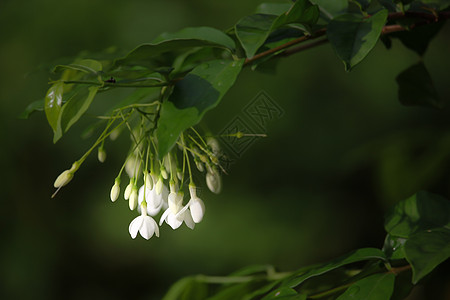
[352, 36]
[148, 54]
[358, 255]
[74, 108]
[37, 105]
[53, 103]
[425, 250]
[192, 97]
[373, 287]
[415, 87]
[394, 247]
[422, 211]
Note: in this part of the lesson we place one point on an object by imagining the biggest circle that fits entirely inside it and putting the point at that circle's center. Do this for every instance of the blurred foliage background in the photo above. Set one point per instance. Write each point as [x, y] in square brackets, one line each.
[318, 186]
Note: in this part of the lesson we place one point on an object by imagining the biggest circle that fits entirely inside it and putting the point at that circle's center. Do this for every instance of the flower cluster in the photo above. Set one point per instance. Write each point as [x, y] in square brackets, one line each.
[157, 181]
[156, 186]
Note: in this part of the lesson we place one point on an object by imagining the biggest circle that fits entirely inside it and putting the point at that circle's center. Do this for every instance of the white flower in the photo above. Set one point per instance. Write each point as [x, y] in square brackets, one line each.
[154, 201]
[173, 215]
[196, 205]
[146, 225]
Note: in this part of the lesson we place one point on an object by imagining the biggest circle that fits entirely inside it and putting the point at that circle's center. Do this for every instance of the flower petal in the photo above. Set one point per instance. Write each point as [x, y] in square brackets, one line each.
[173, 221]
[148, 227]
[188, 220]
[197, 209]
[164, 216]
[135, 225]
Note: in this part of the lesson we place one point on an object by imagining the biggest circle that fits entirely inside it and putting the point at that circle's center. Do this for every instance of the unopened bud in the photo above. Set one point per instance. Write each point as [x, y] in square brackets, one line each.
[164, 172]
[115, 190]
[214, 181]
[200, 166]
[133, 198]
[101, 154]
[159, 186]
[148, 180]
[128, 189]
[66, 176]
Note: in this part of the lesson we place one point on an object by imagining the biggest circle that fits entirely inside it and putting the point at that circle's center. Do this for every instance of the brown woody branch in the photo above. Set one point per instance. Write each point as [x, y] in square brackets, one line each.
[423, 19]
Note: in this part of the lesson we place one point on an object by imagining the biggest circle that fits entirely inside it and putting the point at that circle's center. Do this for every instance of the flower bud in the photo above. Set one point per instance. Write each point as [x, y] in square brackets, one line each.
[66, 176]
[164, 173]
[159, 186]
[101, 154]
[214, 181]
[197, 209]
[128, 189]
[200, 166]
[148, 180]
[115, 190]
[133, 198]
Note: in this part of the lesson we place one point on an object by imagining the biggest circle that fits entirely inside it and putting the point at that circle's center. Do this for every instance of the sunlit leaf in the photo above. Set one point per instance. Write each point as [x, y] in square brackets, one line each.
[53, 103]
[374, 287]
[415, 87]
[198, 92]
[427, 249]
[352, 36]
[74, 108]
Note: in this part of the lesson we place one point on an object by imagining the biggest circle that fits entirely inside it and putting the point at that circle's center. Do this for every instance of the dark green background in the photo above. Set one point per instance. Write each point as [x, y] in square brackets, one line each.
[315, 188]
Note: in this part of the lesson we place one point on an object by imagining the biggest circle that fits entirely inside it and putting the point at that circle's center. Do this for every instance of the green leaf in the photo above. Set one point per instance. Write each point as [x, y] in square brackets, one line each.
[37, 105]
[148, 54]
[74, 108]
[88, 66]
[415, 87]
[422, 211]
[52, 104]
[427, 249]
[281, 293]
[331, 9]
[374, 287]
[355, 256]
[419, 37]
[252, 31]
[273, 8]
[198, 92]
[394, 247]
[352, 36]
[187, 288]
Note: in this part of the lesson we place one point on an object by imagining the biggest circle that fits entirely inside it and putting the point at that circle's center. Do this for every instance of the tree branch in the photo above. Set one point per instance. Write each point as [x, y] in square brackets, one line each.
[425, 18]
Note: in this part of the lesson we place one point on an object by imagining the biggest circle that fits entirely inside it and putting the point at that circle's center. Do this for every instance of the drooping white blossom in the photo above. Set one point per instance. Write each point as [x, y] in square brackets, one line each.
[143, 224]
